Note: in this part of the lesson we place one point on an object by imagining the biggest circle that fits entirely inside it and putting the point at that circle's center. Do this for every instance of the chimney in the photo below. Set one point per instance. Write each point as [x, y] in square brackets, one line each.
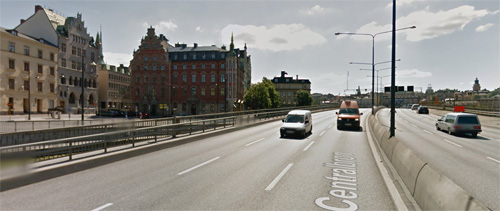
[195, 45]
[297, 77]
[38, 7]
[22, 21]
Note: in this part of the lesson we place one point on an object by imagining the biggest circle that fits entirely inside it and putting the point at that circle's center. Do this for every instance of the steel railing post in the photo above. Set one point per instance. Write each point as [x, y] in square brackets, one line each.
[70, 150]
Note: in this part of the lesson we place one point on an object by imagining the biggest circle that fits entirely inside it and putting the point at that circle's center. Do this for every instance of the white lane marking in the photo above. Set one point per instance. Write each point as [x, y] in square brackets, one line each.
[102, 207]
[277, 179]
[330, 126]
[428, 132]
[278, 132]
[309, 145]
[493, 159]
[414, 125]
[254, 142]
[198, 166]
[451, 142]
[322, 132]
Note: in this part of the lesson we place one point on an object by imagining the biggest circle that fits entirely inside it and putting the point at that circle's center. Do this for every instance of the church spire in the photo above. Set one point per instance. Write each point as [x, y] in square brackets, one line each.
[231, 46]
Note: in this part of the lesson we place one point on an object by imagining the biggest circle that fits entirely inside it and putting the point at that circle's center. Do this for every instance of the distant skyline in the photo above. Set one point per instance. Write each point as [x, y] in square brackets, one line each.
[454, 43]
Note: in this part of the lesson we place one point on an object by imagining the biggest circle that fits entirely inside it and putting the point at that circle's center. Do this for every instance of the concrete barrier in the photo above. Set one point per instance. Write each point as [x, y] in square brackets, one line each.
[430, 189]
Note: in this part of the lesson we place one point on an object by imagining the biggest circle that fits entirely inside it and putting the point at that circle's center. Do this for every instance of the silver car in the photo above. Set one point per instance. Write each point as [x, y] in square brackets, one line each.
[459, 123]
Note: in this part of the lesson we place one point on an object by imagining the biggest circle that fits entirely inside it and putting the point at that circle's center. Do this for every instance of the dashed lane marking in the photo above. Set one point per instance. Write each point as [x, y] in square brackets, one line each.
[428, 132]
[102, 207]
[278, 178]
[452, 142]
[322, 132]
[330, 126]
[493, 159]
[309, 145]
[254, 142]
[198, 166]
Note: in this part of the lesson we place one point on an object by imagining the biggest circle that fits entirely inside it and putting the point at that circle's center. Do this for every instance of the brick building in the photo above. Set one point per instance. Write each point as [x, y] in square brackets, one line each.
[179, 79]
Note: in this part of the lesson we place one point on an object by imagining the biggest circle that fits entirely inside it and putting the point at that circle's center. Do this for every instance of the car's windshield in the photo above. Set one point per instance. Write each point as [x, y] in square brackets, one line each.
[349, 111]
[294, 118]
[467, 120]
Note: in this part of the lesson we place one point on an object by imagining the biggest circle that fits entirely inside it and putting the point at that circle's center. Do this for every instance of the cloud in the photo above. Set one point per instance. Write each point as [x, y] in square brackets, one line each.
[483, 28]
[117, 58]
[414, 73]
[199, 29]
[163, 26]
[280, 37]
[314, 10]
[401, 3]
[429, 24]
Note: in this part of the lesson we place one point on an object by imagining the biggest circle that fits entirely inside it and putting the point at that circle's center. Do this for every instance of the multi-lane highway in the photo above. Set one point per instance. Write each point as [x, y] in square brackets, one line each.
[250, 169]
[472, 163]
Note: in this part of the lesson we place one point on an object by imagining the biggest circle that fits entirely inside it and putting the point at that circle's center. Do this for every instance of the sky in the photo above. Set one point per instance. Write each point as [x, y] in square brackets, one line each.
[453, 43]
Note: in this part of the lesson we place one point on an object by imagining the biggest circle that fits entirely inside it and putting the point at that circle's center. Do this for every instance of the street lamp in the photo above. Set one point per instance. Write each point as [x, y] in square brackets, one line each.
[373, 55]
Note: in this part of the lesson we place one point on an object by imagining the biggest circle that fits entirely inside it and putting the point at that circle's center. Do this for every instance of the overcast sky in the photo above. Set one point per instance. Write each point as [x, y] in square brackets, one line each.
[454, 42]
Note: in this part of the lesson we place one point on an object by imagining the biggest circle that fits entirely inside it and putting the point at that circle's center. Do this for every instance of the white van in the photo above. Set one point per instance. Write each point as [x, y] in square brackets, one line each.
[297, 122]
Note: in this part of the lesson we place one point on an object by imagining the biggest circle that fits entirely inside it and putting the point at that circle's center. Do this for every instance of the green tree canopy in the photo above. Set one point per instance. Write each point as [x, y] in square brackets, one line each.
[304, 98]
[494, 92]
[262, 95]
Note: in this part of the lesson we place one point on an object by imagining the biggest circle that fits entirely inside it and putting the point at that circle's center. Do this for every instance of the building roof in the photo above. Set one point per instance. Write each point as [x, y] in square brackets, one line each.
[24, 36]
[54, 18]
[290, 80]
[184, 48]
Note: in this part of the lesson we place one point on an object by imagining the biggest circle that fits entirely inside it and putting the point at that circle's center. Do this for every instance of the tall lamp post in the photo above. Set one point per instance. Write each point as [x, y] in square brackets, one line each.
[373, 55]
[29, 94]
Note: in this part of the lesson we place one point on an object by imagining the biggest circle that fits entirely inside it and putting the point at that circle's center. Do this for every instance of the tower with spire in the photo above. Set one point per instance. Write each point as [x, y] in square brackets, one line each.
[98, 44]
[476, 87]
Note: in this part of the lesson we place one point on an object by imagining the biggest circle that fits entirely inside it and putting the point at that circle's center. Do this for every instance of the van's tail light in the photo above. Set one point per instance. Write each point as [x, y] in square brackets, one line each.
[477, 127]
[457, 127]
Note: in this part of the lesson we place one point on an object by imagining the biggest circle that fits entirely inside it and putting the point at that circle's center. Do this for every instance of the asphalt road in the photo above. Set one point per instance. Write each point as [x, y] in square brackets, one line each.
[250, 169]
[472, 163]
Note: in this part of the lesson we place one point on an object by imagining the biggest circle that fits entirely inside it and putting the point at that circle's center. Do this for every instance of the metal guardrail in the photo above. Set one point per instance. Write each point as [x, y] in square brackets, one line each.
[124, 135]
[13, 138]
[472, 111]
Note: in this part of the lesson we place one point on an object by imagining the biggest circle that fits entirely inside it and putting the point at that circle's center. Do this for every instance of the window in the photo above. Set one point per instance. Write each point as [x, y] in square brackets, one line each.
[193, 67]
[136, 91]
[185, 56]
[213, 56]
[194, 56]
[12, 64]
[174, 90]
[92, 56]
[145, 58]
[154, 67]
[63, 47]
[70, 80]
[175, 57]
[155, 45]
[162, 67]
[203, 56]
[203, 66]
[40, 86]
[145, 79]
[193, 91]
[145, 67]
[40, 54]
[212, 78]
[137, 79]
[203, 78]
[163, 79]
[154, 58]
[193, 78]
[63, 62]
[223, 56]
[184, 107]
[222, 92]
[175, 67]
[175, 78]
[52, 57]
[212, 91]
[222, 66]
[52, 88]
[222, 78]
[184, 78]
[40, 69]
[154, 80]
[26, 66]
[202, 91]
[26, 50]
[12, 47]
[63, 80]
[184, 91]
[212, 66]
[11, 83]
[184, 67]
[73, 50]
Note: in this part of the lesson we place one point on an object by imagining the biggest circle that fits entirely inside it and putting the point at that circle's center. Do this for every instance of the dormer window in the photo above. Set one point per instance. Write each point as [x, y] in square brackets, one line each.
[14, 33]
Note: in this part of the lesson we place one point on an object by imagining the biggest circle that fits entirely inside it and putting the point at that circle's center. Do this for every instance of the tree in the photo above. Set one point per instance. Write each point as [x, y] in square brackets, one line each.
[303, 98]
[262, 95]
[494, 92]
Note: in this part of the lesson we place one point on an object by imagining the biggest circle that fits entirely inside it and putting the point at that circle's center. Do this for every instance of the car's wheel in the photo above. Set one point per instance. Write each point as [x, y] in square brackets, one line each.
[449, 131]
[437, 128]
[282, 135]
[304, 134]
[474, 135]
[338, 127]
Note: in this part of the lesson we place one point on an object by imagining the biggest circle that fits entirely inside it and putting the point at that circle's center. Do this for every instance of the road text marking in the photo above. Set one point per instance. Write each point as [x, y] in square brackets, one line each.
[254, 142]
[493, 159]
[198, 166]
[451, 142]
[277, 179]
[309, 145]
[322, 132]
[102, 207]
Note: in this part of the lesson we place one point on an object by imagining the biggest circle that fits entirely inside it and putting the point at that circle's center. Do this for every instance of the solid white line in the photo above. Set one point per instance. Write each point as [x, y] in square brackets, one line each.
[451, 142]
[102, 207]
[330, 126]
[428, 132]
[254, 142]
[322, 132]
[309, 145]
[493, 159]
[277, 179]
[198, 166]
